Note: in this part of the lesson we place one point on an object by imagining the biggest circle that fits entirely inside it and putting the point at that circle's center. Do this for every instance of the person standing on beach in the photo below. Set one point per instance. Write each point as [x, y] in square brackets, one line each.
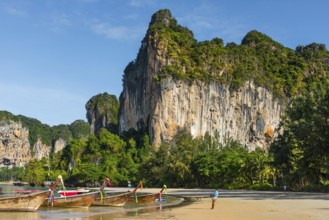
[214, 197]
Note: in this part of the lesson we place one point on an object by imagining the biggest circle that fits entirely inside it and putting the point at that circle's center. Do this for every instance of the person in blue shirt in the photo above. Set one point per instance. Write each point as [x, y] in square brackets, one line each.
[214, 197]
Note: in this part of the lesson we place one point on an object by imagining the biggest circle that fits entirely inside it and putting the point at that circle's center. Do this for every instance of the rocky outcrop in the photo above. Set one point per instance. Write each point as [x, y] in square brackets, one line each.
[249, 115]
[41, 150]
[14, 143]
[102, 112]
[59, 145]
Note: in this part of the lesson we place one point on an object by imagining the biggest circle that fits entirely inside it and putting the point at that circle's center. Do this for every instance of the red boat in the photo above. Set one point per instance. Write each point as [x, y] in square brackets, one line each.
[72, 192]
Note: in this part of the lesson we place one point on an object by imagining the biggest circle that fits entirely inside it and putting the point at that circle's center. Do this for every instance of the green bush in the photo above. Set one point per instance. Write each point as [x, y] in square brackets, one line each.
[261, 187]
[316, 188]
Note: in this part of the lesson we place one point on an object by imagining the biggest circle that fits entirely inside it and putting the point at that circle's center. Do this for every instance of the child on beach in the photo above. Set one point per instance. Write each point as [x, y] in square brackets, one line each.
[214, 197]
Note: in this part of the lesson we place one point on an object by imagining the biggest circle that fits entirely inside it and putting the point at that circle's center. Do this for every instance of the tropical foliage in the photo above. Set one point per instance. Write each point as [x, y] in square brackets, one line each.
[258, 58]
[302, 151]
[188, 162]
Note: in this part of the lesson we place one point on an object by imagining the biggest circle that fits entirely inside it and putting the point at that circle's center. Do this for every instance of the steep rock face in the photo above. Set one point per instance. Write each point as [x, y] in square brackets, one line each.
[60, 144]
[14, 143]
[41, 150]
[249, 115]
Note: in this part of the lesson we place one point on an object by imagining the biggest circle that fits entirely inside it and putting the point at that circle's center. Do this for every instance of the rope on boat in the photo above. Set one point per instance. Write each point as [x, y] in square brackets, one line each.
[100, 192]
[63, 186]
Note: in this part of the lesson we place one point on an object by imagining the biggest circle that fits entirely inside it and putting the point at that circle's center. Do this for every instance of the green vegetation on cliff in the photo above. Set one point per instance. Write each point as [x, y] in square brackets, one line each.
[259, 58]
[47, 134]
[102, 112]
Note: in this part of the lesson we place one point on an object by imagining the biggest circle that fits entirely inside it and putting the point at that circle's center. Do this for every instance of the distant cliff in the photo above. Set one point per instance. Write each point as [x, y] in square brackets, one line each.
[14, 143]
[238, 92]
[23, 138]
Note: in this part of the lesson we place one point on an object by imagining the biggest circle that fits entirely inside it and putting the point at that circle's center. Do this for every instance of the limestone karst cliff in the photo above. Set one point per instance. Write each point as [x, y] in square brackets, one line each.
[166, 94]
[102, 112]
[23, 139]
[14, 143]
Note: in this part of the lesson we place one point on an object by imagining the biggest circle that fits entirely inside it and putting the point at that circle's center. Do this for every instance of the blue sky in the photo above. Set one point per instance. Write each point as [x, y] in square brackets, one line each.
[56, 54]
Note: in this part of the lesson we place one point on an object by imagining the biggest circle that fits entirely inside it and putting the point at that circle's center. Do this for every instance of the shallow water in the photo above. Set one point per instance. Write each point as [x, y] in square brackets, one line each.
[94, 212]
[146, 211]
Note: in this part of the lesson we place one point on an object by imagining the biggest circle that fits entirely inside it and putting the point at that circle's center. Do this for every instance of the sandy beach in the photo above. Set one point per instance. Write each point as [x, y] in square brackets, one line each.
[238, 209]
[235, 209]
[249, 206]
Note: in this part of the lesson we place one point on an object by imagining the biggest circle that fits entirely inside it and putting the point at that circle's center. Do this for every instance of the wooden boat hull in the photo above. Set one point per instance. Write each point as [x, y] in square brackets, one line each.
[23, 203]
[82, 200]
[114, 200]
[146, 198]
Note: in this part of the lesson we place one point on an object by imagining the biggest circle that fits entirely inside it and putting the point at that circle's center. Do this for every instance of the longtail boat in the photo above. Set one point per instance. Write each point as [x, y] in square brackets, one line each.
[118, 200]
[105, 199]
[78, 200]
[147, 198]
[23, 202]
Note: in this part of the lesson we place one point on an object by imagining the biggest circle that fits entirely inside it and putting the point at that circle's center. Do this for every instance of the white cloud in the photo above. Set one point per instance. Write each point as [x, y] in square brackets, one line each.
[131, 16]
[116, 32]
[216, 23]
[140, 3]
[110, 31]
[60, 21]
[14, 10]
